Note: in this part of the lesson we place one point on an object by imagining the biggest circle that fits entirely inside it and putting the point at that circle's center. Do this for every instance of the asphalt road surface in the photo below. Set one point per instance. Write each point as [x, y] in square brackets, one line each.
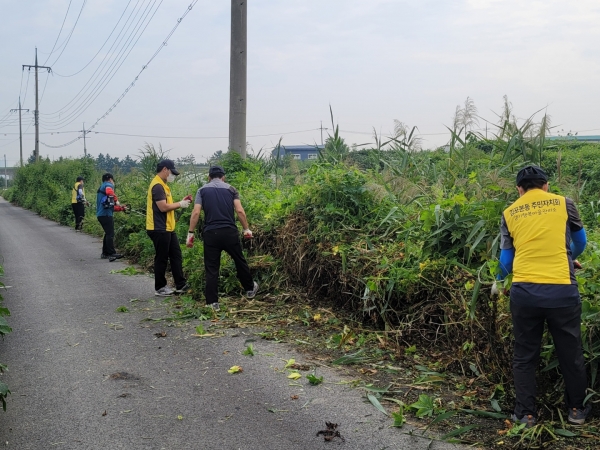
[84, 376]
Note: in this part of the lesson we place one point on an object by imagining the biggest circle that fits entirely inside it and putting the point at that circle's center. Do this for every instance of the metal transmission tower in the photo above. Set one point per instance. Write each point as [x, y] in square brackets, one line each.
[237, 77]
[20, 129]
[36, 112]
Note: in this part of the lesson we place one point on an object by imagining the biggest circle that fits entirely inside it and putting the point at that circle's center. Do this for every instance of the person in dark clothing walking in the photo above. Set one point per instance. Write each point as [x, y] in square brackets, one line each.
[160, 227]
[78, 203]
[219, 200]
[106, 203]
[541, 237]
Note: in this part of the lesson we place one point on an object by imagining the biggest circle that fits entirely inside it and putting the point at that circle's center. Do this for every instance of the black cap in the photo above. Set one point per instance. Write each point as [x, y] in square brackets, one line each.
[169, 165]
[216, 171]
[79, 179]
[531, 173]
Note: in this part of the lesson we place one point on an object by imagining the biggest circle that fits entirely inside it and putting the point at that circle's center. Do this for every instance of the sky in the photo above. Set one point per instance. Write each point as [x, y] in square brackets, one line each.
[372, 62]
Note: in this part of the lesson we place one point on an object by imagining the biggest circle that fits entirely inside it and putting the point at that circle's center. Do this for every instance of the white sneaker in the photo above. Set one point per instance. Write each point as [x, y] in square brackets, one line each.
[215, 306]
[165, 291]
[252, 293]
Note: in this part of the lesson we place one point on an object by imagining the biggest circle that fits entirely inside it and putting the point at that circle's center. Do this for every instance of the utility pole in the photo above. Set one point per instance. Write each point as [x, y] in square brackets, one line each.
[20, 129]
[36, 112]
[321, 133]
[238, 77]
[5, 179]
[84, 133]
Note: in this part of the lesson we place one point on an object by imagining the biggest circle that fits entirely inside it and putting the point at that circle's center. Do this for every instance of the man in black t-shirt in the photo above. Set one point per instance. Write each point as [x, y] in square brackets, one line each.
[219, 200]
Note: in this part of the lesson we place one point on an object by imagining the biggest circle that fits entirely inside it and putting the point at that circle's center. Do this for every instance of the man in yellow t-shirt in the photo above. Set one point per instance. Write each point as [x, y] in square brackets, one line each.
[541, 237]
[160, 226]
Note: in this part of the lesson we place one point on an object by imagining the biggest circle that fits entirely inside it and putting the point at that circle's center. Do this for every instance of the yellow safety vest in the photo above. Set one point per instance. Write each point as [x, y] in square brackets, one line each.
[74, 192]
[537, 223]
[156, 220]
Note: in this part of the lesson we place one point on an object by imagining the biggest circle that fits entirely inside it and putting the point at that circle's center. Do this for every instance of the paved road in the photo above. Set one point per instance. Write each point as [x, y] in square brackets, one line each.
[68, 340]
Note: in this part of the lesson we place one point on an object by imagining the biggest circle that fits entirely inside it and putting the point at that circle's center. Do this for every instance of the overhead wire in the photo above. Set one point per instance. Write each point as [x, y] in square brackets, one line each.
[59, 33]
[202, 137]
[117, 50]
[69, 37]
[76, 110]
[99, 50]
[164, 43]
[132, 84]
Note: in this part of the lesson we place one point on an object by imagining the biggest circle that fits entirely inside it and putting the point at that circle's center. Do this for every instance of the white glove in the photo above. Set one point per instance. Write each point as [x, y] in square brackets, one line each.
[118, 203]
[189, 242]
[495, 291]
[184, 203]
[247, 233]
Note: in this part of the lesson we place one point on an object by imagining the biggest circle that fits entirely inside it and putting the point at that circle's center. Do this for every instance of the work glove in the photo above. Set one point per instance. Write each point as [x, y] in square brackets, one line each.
[577, 265]
[247, 233]
[189, 242]
[184, 203]
[495, 291]
[117, 203]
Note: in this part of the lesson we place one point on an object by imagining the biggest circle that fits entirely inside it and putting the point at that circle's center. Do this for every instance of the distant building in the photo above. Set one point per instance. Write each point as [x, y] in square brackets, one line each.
[299, 152]
[574, 138]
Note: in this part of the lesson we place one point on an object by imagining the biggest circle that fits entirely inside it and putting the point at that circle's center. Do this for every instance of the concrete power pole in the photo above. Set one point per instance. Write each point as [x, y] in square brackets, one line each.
[5, 179]
[84, 133]
[36, 112]
[238, 77]
[20, 129]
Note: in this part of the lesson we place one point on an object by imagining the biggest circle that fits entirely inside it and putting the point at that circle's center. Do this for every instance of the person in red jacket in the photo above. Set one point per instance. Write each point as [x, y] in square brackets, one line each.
[106, 203]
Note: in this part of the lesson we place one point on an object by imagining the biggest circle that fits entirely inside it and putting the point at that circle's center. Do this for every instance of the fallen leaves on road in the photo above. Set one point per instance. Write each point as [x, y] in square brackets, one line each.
[235, 369]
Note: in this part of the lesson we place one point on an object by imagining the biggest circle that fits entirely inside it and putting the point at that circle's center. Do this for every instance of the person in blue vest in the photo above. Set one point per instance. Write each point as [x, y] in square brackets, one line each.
[541, 237]
[106, 204]
[221, 203]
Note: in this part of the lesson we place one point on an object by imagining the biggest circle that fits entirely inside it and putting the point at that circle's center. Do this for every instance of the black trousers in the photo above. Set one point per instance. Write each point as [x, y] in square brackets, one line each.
[79, 211]
[108, 242]
[167, 249]
[565, 326]
[215, 241]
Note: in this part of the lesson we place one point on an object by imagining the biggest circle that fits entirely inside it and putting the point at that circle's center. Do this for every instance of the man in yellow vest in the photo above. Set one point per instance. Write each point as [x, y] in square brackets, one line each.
[160, 226]
[78, 203]
[541, 237]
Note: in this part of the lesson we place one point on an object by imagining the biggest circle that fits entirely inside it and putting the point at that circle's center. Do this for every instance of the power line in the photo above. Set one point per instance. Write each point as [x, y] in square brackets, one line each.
[70, 34]
[202, 137]
[105, 78]
[101, 71]
[100, 49]
[189, 8]
[59, 32]
[169, 137]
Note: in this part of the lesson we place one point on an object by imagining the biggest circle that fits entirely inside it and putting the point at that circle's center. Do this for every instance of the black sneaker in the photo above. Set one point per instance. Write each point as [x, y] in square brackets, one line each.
[577, 416]
[183, 289]
[527, 419]
[103, 256]
[114, 257]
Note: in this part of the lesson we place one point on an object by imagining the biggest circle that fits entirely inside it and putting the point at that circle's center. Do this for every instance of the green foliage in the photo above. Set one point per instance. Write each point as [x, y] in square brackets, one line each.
[314, 380]
[424, 406]
[122, 309]
[406, 240]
